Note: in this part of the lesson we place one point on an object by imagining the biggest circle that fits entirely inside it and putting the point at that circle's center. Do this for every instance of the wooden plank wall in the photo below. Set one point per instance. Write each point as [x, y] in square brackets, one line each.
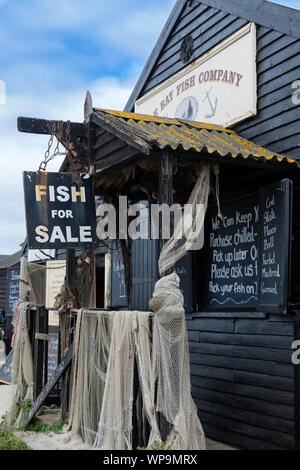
[242, 374]
[277, 124]
[243, 379]
[144, 254]
[208, 28]
[109, 149]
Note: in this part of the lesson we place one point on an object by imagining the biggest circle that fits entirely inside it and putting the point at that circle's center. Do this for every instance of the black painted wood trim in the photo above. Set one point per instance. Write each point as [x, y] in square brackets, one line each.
[43, 126]
[266, 14]
[229, 315]
[271, 15]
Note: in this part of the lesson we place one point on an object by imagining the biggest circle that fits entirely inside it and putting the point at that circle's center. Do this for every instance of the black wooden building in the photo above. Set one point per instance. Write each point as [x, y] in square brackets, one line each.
[244, 382]
[9, 290]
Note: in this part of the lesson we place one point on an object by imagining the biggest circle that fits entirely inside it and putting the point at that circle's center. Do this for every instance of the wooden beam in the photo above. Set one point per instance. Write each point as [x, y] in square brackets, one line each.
[276, 17]
[39, 350]
[65, 328]
[88, 107]
[133, 137]
[43, 126]
[50, 385]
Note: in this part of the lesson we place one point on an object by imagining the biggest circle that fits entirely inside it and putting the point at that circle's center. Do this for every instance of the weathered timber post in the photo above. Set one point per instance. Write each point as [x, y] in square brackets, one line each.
[40, 350]
[64, 328]
[166, 193]
[165, 197]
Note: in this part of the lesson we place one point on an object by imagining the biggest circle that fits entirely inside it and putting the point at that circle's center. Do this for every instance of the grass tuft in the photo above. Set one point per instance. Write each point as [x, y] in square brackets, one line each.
[8, 441]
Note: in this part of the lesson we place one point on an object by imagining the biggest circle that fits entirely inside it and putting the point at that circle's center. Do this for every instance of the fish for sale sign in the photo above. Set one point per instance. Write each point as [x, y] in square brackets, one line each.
[60, 212]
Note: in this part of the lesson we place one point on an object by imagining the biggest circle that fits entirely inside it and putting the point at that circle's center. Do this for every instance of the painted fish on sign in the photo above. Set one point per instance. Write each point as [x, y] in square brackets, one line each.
[59, 212]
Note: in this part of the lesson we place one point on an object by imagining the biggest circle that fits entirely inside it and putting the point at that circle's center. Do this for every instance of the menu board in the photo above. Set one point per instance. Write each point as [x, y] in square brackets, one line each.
[248, 252]
[56, 272]
[184, 269]
[276, 215]
[118, 282]
[52, 350]
[233, 256]
[12, 290]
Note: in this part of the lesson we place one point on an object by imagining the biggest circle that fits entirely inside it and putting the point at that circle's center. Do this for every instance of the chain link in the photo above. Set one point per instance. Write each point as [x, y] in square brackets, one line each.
[48, 156]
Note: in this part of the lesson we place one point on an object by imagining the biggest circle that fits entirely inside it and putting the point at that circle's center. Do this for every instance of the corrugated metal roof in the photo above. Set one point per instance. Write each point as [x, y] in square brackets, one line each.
[190, 135]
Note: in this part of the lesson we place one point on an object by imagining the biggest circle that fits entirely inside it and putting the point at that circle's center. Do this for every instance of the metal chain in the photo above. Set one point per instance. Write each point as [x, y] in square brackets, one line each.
[48, 157]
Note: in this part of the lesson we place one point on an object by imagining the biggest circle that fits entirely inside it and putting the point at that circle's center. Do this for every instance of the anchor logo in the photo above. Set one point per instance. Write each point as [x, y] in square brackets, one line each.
[213, 107]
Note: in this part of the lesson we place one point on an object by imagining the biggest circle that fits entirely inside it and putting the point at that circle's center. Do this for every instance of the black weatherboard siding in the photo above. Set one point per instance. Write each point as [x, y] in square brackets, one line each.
[277, 124]
[3, 273]
[243, 381]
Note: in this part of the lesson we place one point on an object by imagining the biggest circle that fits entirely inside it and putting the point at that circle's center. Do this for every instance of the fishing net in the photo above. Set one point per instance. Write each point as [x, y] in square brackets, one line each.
[188, 229]
[171, 366]
[108, 344]
[22, 364]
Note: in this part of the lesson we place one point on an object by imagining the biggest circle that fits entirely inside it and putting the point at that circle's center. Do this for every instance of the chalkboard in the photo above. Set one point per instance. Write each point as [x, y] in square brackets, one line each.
[50, 385]
[184, 269]
[118, 283]
[247, 253]
[5, 370]
[12, 290]
[52, 350]
[275, 228]
[232, 247]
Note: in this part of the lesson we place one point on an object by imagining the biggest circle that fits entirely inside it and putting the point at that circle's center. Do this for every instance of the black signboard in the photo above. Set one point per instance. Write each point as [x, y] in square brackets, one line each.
[52, 350]
[118, 281]
[5, 370]
[60, 213]
[275, 204]
[12, 290]
[248, 252]
[233, 256]
[184, 269]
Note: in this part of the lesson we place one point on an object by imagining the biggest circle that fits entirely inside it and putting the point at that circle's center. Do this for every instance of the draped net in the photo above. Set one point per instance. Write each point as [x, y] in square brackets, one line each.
[108, 343]
[188, 229]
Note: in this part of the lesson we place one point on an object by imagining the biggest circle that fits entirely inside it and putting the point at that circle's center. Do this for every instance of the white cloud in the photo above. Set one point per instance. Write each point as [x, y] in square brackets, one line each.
[52, 51]
[125, 31]
[19, 151]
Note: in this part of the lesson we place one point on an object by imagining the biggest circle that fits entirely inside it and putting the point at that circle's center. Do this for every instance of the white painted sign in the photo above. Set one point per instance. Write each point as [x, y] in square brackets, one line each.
[56, 272]
[38, 255]
[218, 88]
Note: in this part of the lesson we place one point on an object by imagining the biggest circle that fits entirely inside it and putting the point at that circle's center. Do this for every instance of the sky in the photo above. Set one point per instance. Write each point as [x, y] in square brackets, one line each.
[51, 53]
